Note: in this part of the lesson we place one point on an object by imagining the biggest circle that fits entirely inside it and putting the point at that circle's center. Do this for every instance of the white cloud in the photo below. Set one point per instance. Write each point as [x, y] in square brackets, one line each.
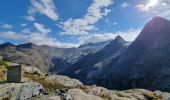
[125, 5]
[97, 10]
[26, 30]
[45, 7]
[115, 23]
[37, 38]
[30, 18]
[12, 35]
[141, 7]
[6, 26]
[23, 24]
[128, 35]
[94, 38]
[41, 28]
[44, 39]
[161, 9]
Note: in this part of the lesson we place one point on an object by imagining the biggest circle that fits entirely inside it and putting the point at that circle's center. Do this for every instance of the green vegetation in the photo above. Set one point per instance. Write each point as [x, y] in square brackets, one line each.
[3, 77]
[2, 63]
[49, 86]
[3, 70]
[152, 96]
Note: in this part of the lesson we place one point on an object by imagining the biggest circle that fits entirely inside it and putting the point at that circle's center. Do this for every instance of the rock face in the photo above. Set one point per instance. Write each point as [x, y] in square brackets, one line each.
[46, 58]
[20, 91]
[65, 81]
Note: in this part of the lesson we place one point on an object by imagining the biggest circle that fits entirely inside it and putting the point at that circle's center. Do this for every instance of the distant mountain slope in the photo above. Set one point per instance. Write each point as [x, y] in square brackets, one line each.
[146, 63]
[47, 58]
[91, 66]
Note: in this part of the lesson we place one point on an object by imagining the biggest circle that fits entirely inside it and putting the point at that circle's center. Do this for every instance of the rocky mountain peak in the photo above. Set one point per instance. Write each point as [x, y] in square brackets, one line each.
[27, 45]
[119, 39]
[7, 44]
[158, 29]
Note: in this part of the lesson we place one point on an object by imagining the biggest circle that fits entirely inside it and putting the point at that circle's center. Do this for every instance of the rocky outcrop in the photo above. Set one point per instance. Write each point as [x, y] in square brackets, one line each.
[100, 93]
[31, 70]
[20, 91]
[65, 81]
[78, 94]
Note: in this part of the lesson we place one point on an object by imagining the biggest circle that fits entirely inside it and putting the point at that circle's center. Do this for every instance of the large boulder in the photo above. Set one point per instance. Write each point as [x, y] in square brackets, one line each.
[31, 70]
[65, 81]
[101, 92]
[20, 91]
[78, 94]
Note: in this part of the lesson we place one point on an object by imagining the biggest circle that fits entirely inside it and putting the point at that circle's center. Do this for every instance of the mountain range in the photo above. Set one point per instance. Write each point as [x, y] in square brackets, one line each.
[47, 58]
[144, 63]
[115, 64]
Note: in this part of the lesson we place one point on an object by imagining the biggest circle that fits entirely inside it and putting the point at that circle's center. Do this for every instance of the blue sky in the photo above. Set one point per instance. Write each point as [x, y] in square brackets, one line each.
[70, 23]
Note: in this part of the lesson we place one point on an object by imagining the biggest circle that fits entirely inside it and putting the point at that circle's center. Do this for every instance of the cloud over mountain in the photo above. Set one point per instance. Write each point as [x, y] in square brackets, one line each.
[97, 10]
[41, 28]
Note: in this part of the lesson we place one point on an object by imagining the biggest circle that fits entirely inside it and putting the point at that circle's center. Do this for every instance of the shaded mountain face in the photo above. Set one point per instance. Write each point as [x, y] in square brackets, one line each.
[91, 67]
[146, 63]
[46, 58]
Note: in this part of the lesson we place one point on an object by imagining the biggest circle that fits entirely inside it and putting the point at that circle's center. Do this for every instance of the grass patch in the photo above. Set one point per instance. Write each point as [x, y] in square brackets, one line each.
[3, 77]
[49, 86]
[152, 96]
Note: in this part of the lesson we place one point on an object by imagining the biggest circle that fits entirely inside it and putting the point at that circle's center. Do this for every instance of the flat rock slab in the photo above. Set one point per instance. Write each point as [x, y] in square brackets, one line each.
[19, 91]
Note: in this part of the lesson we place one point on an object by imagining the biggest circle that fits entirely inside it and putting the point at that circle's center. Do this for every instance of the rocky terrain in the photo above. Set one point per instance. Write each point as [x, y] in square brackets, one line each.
[38, 86]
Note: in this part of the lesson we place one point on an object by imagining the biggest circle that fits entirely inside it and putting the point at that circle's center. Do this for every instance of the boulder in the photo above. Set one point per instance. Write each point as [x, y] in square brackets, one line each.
[64, 94]
[101, 92]
[32, 70]
[54, 98]
[1, 57]
[78, 94]
[166, 96]
[20, 91]
[65, 81]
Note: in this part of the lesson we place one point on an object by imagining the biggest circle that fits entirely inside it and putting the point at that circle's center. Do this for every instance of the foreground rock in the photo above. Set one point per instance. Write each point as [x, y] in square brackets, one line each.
[132, 94]
[31, 70]
[19, 91]
[99, 93]
[78, 94]
[65, 81]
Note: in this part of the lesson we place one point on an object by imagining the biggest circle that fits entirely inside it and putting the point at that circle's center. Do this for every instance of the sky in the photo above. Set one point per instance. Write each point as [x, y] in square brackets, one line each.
[70, 23]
